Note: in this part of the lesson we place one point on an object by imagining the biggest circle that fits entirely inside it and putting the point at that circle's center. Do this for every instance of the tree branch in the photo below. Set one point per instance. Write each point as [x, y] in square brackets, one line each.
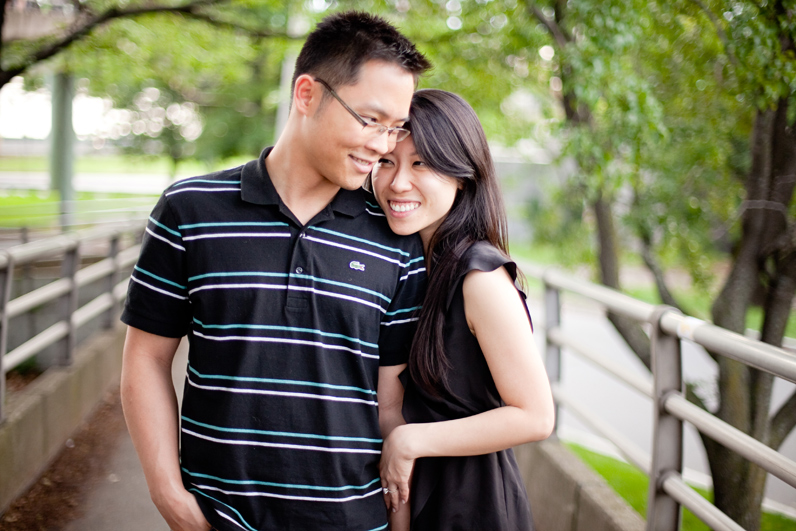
[191, 9]
[657, 273]
[559, 34]
[719, 30]
[783, 422]
[234, 26]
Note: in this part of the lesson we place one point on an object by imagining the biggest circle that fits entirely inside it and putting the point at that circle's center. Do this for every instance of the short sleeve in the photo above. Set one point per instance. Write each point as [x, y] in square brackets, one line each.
[399, 323]
[483, 256]
[157, 296]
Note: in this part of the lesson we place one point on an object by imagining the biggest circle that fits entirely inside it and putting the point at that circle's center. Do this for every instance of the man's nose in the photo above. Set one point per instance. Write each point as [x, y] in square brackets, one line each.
[380, 144]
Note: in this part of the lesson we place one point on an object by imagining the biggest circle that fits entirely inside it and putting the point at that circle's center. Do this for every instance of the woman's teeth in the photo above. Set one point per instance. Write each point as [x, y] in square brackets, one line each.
[403, 207]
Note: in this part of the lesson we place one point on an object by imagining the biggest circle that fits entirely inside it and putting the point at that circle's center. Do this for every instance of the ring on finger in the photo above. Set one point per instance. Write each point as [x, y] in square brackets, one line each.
[388, 491]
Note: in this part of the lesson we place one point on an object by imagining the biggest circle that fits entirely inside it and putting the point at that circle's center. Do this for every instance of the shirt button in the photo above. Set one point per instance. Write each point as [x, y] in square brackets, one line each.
[299, 270]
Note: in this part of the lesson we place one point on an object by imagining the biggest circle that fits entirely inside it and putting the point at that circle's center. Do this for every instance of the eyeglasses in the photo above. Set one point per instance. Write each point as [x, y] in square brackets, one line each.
[374, 129]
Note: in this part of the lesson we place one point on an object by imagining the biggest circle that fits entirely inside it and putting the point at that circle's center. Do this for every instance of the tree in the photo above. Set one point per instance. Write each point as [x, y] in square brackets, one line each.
[696, 78]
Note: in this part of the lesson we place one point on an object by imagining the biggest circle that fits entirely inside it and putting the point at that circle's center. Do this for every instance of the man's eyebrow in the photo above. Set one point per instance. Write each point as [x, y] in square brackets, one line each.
[378, 110]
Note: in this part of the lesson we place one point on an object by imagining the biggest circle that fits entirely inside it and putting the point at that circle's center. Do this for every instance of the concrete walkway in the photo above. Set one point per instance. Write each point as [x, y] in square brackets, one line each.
[120, 502]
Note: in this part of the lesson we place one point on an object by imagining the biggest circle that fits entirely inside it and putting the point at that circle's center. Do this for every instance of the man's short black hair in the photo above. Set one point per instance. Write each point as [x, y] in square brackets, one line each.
[341, 43]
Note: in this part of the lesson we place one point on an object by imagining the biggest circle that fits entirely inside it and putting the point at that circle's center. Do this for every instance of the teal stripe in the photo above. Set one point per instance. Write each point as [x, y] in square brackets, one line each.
[361, 240]
[162, 226]
[403, 311]
[280, 485]
[372, 205]
[225, 505]
[236, 224]
[283, 434]
[291, 275]
[278, 381]
[144, 271]
[379, 528]
[285, 329]
[413, 260]
[191, 181]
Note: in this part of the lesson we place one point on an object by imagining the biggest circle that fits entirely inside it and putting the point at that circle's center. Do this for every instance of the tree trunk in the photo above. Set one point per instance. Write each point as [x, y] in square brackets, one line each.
[765, 255]
[608, 253]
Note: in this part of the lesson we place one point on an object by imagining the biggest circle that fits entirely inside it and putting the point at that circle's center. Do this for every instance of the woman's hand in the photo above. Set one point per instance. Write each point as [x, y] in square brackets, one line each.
[396, 466]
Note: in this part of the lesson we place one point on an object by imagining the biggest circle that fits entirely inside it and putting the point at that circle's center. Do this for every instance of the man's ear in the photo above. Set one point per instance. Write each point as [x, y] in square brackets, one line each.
[304, 94]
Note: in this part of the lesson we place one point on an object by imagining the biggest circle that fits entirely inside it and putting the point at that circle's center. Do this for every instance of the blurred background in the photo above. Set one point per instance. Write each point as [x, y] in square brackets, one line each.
[645, 145]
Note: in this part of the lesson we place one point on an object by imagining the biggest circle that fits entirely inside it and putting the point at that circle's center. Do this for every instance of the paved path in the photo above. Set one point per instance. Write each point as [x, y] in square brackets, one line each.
[121, 501]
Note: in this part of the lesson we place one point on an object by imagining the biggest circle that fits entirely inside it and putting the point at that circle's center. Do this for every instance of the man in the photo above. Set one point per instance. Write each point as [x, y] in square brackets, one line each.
[296, 299]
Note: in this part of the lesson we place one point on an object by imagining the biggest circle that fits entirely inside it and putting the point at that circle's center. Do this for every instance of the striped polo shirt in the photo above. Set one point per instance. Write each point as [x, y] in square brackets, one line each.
[288, 325]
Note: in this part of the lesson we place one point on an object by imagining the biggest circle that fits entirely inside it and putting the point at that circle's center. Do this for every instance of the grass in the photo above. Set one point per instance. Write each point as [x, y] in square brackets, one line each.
[119, 164]
[632, 485]
[40, 209]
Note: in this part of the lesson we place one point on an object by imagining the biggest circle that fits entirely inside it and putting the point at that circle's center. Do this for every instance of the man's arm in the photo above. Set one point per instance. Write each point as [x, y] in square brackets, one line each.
[150, 409]
[391, 397]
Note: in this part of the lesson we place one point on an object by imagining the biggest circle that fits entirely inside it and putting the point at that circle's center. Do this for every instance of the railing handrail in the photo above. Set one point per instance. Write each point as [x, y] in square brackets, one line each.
[73, 277]
[26, 253]
[669, 326]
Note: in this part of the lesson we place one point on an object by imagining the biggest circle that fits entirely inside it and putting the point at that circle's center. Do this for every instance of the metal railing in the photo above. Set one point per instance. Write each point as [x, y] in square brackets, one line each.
[667, 491]
[65, 289]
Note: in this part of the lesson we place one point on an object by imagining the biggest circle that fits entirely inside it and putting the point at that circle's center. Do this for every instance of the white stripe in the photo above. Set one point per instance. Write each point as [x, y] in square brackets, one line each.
[374, 213]
[238, 234]
[399, 322]
[180, 247]
[326, 242]
[412, 273]
[293, 288]
[203, 190]
[163, 291]
[285, 340]
[282, 445]
[287, 497]
[237, 286]
[228, 517]
[282, 393]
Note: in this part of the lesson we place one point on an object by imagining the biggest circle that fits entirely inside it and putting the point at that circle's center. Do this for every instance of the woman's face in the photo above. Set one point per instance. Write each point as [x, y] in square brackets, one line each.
[414, 198]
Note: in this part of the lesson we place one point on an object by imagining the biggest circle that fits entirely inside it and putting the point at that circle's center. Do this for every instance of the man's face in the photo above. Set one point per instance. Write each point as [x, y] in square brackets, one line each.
[343, 152]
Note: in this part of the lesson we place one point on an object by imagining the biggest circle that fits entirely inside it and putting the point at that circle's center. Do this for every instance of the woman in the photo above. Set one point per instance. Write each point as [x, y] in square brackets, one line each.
[475, 385]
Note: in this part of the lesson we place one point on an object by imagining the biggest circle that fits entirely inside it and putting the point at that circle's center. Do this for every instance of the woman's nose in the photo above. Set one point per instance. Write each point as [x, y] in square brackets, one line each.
[401, 181]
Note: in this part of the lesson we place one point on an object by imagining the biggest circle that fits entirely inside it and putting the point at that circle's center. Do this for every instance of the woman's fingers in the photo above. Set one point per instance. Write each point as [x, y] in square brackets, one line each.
[395, 503]
[392, 497]
[403, 493]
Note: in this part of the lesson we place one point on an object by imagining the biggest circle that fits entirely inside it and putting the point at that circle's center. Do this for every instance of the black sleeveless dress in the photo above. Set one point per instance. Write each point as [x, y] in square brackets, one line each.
[483, 492]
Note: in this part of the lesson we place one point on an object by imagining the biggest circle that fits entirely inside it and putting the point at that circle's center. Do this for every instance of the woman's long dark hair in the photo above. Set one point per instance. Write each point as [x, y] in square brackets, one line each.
[450, 140]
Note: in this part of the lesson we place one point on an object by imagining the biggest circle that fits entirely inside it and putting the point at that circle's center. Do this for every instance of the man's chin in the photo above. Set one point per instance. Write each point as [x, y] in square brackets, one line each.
[352, 184]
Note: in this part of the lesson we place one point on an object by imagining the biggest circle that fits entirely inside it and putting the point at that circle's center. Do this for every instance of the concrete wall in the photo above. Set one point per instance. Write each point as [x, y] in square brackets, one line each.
[41, 417]
[567, 495]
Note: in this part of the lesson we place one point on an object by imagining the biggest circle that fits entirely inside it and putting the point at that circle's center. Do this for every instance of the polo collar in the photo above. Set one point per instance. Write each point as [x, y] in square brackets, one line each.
[257, 188]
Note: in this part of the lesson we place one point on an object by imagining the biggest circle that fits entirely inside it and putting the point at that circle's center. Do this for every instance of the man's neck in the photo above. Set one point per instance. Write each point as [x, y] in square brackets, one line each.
[300, 188]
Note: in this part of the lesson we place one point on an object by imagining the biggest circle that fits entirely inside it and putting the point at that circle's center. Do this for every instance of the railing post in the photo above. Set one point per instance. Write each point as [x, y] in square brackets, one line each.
[552, 311]
[113, 279]
[69, 268]
[6, 282]
[663, 511]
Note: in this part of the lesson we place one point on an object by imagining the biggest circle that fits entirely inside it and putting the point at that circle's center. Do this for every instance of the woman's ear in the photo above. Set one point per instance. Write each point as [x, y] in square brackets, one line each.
[304, 94]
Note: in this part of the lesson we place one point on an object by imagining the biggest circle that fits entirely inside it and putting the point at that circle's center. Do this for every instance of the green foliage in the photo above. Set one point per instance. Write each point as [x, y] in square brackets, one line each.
[632, 485]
